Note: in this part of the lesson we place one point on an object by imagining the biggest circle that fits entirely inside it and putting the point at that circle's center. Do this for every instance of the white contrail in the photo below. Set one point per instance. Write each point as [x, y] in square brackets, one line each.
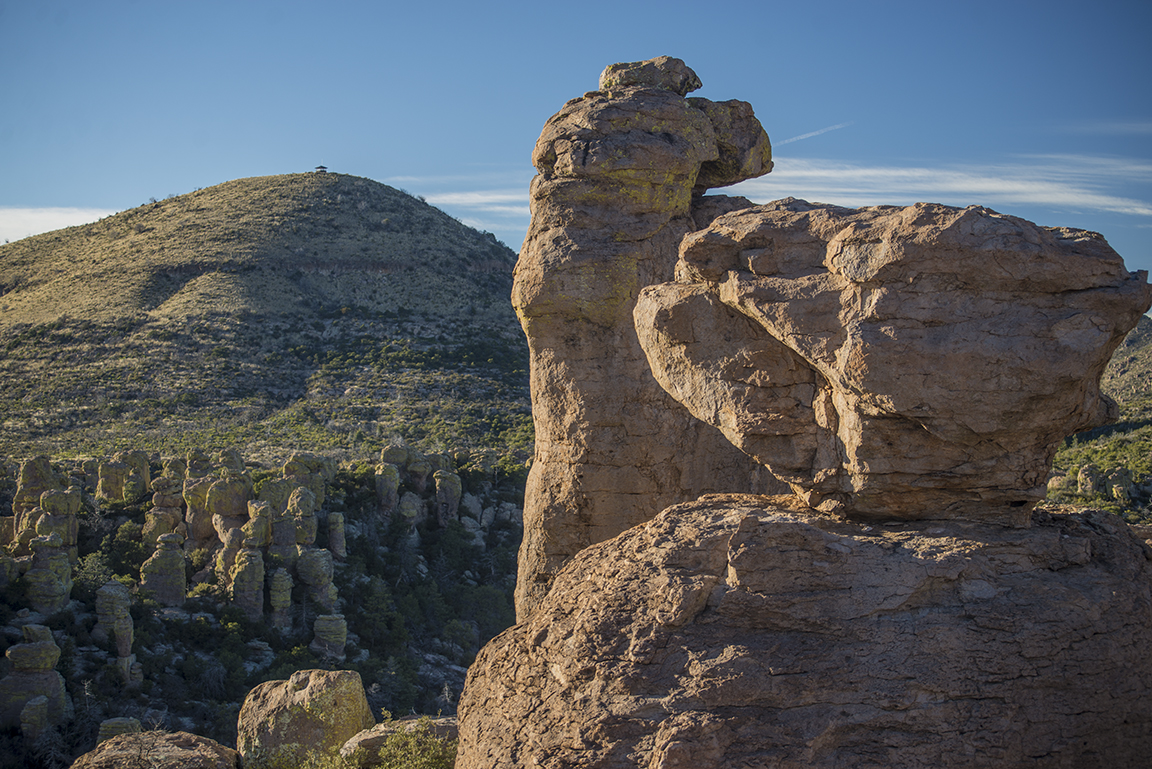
[814, 133]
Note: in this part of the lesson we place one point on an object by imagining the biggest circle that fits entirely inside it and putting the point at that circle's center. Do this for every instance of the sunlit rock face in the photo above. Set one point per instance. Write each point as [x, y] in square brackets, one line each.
[619, 171]
[888, 362]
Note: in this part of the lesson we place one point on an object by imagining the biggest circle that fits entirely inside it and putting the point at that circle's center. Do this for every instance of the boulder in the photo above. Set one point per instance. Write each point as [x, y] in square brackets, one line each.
[159, 750]
[48, 583]
[258, 528]
[33, 676]
[337, 543]
[448, 491]
[111, 727]
[366, 744]
[34, 478]
[246, 583]
[307, 717]
[617, 174]
[113, 616]
[330, 635]
[197, 515]
[162, 575]
[916, 362]
[753, 631]
[280, 599]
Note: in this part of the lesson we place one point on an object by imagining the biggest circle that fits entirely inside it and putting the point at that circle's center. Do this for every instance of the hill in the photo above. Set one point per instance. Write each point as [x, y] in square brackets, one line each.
[266, 314]
[1111, 466]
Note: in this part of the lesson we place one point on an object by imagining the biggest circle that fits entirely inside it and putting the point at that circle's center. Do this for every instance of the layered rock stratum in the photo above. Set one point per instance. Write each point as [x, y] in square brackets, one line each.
[908, 372]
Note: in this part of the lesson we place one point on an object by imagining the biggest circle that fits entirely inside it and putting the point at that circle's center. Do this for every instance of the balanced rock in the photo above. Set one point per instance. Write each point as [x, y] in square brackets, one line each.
[161, 750]
[330, 635]
[258, 528]
[753, 631]
[886, 362]
[33, 676]
[307, 717]
[312, 471]
[617, 170]
[162, 575]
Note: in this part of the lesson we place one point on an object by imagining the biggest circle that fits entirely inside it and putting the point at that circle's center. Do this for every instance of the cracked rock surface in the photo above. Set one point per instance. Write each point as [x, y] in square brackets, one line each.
[753, 631]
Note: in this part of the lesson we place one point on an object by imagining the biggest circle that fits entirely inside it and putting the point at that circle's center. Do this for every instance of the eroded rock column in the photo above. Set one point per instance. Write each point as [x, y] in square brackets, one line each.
[617, 170]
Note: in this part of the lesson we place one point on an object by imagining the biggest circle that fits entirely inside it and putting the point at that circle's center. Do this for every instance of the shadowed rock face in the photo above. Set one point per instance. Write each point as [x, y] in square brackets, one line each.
[617, 173]
[752, 631]
[919, 362]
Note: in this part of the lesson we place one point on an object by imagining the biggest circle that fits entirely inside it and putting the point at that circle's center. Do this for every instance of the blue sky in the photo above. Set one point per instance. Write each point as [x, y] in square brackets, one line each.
[1038, 109]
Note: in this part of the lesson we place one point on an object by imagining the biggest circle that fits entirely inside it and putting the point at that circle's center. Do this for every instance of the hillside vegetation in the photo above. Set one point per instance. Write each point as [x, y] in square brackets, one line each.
[266, 314]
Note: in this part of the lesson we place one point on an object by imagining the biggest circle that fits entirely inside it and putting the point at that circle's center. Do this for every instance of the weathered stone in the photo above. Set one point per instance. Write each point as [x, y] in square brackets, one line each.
[247, 583]
[337, 544]
[280, 599]
[197, 515]
[448, 491]
[113, 476]
[663, 72]
[162, 575]
[277, 492]
[175, 468]
[111, 727]
[197, 464]
[368, 743]
[387, 489]
[35, 477]
[315, 569]
[34, 718]
[751, 631]
[302, 506]
[919, 362]
[113, 617]
[330, 635]
[167, 492]
[32, 676]
[258, 528]
[160, 521]
[312, 471]
[48, 583]
[138, 462]
[613, 195]
[412, 509]
[309, 716]
[418, 473]
[161, 750]
[394, 455]
[230, 459]
[228, 498]
[59, 517]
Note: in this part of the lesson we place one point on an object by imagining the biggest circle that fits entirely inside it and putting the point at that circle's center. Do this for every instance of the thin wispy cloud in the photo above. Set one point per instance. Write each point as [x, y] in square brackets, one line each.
[16, 223]
[1078, 183]
[810, 134]
[1113, 127]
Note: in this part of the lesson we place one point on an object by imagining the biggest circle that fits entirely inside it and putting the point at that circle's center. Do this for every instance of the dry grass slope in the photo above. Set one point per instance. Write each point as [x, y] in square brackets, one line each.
[297, 311]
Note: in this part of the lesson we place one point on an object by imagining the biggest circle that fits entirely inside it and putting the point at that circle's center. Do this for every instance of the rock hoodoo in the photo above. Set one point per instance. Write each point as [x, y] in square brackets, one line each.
[919, 362]
[617, 171]
[908, 372]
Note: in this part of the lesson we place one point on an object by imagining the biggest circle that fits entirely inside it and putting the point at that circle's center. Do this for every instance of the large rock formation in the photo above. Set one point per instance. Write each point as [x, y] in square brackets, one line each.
[159, 750]
[617, 170]
[908, 372]
[919, 362]
[756, 632]
[308, 717]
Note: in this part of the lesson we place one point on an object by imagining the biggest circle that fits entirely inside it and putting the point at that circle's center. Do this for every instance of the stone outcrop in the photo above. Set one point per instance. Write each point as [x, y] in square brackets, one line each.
[368, 743]
[114, 621]
[617, 171]
[111, 727]
[919, 362]
[48, 583]
[754, 631]
[330, 636]
[907, 372]
[159, 750]
[448, 492]
[315, 569]
[311, 715]
[337, 542]
[162, 575]
[280, 599]
[387, 489]
[32, 676]
[35, 477]
[246, 583]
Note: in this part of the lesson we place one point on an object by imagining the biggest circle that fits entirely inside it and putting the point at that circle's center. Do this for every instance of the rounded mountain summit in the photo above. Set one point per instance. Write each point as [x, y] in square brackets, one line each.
[303, 311]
